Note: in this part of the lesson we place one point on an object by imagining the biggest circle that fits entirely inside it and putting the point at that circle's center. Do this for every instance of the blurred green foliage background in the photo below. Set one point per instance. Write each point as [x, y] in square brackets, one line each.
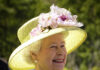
[14, 13]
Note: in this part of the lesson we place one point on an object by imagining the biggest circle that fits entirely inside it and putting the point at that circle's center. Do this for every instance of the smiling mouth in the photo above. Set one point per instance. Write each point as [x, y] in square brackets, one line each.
[58, 60]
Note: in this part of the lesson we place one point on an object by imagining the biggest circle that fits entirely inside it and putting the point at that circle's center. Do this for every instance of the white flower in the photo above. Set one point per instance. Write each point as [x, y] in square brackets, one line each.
[53, 20]
[60, 11]
[57, 10]
[44, 20]
[69, 23]
[56, 17]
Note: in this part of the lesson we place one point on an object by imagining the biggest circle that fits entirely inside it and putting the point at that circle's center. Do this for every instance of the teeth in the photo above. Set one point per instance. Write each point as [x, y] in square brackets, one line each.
[58, 61]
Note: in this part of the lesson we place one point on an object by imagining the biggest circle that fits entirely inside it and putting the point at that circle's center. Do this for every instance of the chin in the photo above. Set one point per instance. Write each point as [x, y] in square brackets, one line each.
[58, 68]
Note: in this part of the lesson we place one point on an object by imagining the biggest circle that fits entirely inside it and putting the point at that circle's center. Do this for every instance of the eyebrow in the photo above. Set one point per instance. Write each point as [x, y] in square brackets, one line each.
[61, 42]
[53, 44]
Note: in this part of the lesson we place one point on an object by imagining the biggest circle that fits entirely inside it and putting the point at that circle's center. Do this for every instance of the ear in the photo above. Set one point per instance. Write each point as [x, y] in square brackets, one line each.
[33, 55]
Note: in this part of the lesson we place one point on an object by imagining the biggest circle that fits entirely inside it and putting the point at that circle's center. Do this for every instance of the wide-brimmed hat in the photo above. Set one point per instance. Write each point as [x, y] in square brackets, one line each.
[58, 20]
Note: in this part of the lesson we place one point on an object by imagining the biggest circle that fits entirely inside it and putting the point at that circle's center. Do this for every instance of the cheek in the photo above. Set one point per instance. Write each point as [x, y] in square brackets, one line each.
[47, 55]
[65, 51]
[50, 54]
[65, 54]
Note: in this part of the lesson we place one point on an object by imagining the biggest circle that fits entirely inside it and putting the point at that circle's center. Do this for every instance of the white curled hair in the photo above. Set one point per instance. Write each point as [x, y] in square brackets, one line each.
[35, 47]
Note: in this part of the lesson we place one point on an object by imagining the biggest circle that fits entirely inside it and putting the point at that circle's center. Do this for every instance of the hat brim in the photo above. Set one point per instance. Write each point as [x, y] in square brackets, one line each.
[20, 59]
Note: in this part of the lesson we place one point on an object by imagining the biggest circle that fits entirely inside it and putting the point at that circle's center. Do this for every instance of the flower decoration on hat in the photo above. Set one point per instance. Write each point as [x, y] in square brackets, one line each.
[57, 17]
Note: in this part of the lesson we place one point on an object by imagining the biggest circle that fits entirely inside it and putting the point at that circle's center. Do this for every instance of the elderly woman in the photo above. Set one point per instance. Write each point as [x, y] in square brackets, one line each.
[52, 55]
[47, 40]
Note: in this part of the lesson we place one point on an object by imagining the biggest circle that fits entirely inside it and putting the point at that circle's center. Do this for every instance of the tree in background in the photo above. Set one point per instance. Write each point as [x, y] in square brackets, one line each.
[14, 13]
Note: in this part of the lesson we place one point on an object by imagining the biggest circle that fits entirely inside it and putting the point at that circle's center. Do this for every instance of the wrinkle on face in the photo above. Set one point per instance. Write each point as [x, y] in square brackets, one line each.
[52, 55]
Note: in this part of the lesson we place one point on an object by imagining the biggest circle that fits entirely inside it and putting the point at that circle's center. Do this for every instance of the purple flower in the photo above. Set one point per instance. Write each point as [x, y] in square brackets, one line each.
[63, 17]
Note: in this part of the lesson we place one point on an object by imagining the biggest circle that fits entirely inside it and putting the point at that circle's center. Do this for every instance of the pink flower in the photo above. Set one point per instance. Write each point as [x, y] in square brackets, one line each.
[48, 19]
[56, 17]
[54, 24]
[44, 20]
[36, 31]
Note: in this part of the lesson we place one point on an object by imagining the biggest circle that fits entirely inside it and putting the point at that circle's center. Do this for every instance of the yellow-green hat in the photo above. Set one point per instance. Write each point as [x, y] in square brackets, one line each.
[58, 20]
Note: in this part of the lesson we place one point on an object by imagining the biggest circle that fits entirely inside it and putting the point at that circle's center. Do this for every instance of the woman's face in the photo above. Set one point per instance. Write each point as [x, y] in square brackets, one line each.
[52, 55]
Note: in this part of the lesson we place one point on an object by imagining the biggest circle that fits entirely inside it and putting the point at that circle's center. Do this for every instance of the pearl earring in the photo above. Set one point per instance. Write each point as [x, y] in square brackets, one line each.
[35, 61]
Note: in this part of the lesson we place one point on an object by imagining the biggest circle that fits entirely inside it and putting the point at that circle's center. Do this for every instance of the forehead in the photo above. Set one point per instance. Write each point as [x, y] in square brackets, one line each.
[57, 38]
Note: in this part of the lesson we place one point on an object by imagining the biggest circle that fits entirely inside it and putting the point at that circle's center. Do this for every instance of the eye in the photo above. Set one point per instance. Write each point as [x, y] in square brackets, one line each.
[53, 46]
[62, 45]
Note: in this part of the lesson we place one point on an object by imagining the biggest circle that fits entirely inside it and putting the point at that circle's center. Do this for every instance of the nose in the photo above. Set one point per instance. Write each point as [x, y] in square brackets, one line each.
[60, 51]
